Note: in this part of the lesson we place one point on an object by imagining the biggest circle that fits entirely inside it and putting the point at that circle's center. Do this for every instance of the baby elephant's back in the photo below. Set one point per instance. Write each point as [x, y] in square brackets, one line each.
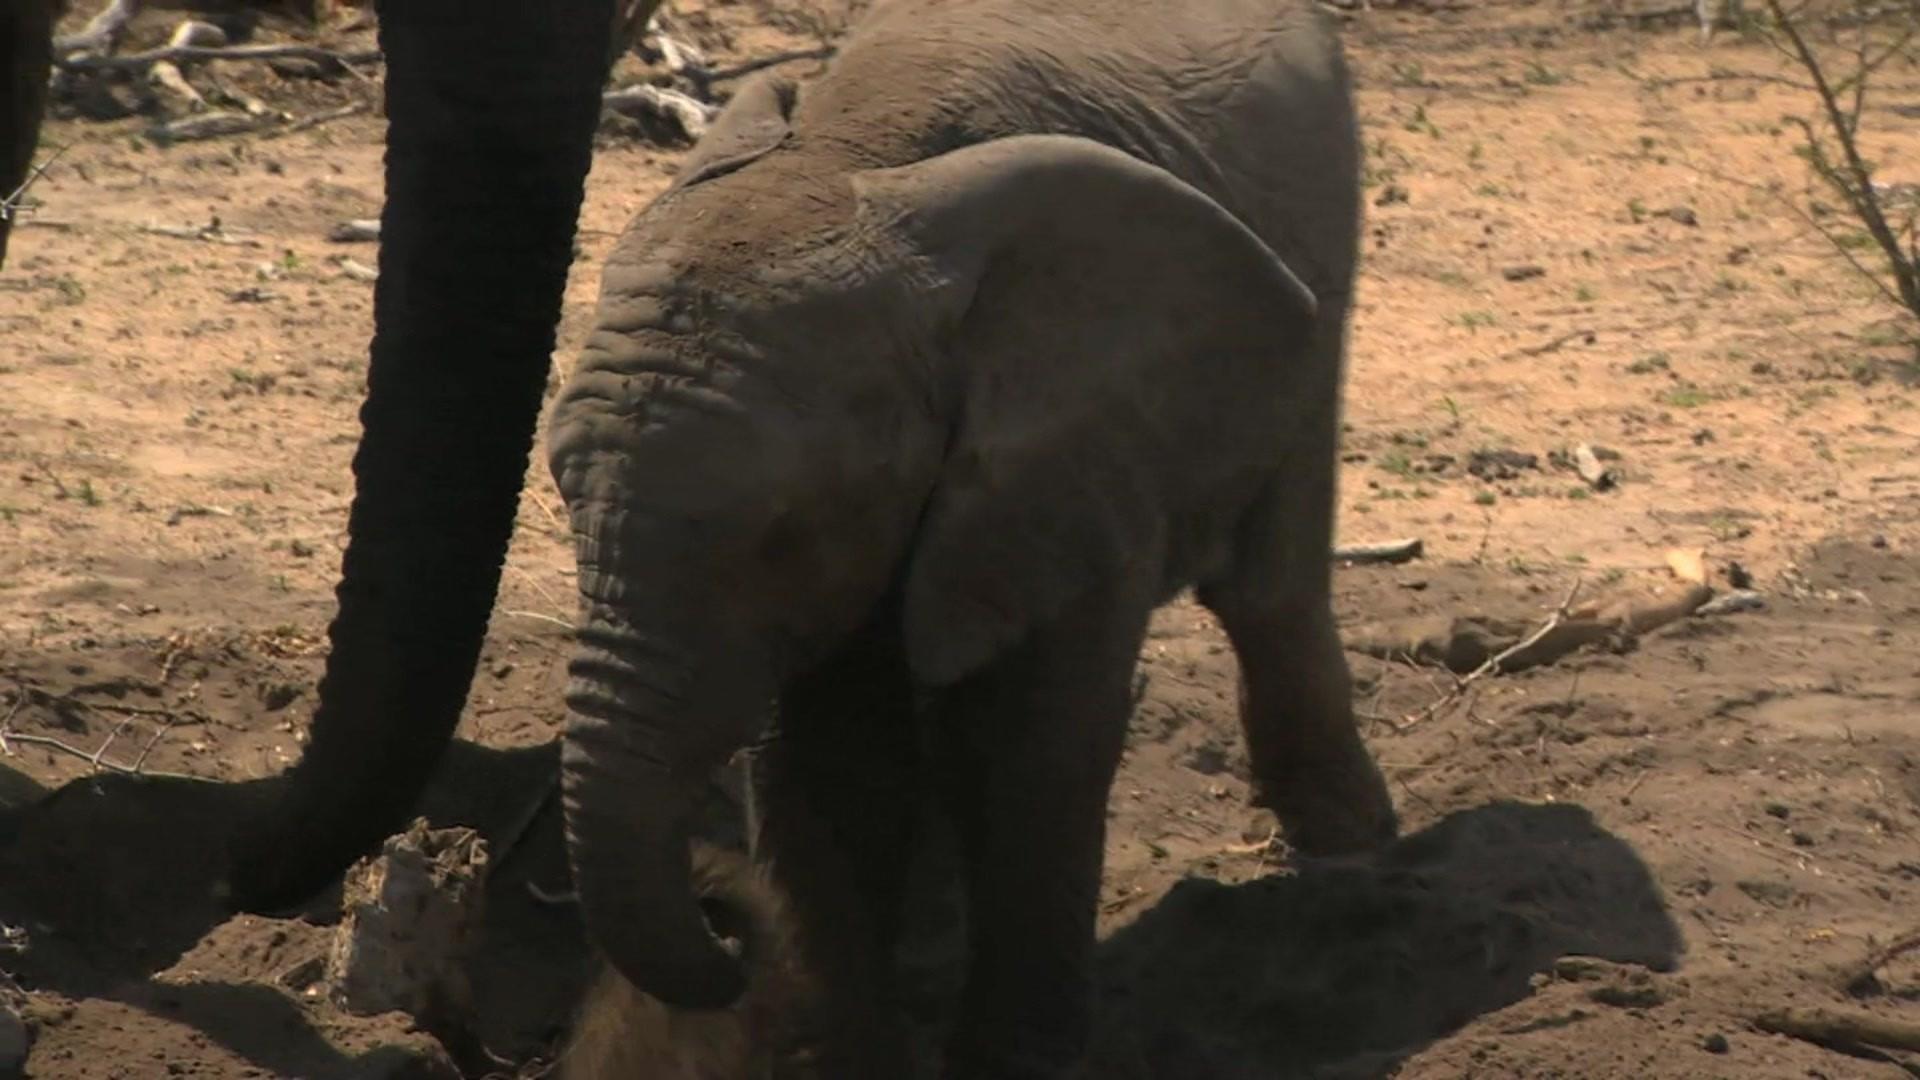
[1247, 100]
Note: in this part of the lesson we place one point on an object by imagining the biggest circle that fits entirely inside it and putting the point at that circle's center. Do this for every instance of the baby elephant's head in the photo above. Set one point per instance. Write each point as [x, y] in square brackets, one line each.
[621, 1033]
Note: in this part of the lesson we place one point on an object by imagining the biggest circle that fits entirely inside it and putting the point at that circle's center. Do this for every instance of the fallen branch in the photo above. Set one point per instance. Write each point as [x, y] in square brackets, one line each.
[1387, 551]
[1465, 645]
[1834, 1028]
[207, 125]
[102, 32]
[191, 53]
[1863, 978]
[165, 74]
[1494, 664]
[313, 120]
[683, 111]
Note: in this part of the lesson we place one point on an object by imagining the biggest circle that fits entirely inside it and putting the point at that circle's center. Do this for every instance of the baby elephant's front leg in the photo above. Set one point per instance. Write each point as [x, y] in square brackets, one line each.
[1028, 748]
[1310, 766]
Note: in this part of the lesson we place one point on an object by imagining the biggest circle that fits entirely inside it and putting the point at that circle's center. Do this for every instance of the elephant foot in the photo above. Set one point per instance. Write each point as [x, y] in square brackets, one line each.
[1332, 805]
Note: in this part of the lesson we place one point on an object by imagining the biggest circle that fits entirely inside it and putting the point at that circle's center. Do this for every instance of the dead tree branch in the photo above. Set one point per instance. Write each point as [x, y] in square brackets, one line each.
[1851, 176]
[102, 32]
[97, 760]
[178, 54]
[1850, 1030]
[1495, 663]
[1864, 978]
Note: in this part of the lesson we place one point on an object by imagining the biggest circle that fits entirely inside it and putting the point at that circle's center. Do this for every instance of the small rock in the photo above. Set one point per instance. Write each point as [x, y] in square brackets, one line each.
[1739, 576]
[1392, 193]
[1715, 1043]
[1684, 215]
[1525, 272]
[1737, 601]
[1587, 462]
[1878, 541]
[1703, 437]
[1801, 839]
[1778, 809]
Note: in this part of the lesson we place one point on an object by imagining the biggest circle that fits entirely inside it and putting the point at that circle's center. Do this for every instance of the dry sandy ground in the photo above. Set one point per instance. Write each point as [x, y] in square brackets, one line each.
[1725, 813]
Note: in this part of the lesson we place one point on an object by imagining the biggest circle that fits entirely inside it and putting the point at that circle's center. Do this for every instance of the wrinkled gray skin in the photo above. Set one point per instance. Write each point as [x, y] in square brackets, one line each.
[927, 382]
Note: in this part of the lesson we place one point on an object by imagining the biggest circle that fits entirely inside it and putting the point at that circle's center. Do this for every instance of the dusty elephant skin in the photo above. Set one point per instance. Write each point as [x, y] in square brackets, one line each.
[928, 381]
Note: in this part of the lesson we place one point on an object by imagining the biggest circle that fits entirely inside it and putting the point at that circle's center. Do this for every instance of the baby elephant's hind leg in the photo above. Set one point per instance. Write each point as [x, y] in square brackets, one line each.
[1310, 766]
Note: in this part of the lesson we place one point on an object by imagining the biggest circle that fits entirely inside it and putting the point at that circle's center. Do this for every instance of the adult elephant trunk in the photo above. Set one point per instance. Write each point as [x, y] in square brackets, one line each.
[491, 110]
[26, 33]
[653, 712]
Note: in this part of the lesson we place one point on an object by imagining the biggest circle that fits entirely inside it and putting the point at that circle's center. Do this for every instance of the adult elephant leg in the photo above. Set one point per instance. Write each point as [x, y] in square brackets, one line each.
[1027, 748]
[1296, 693]
[835, 789]
[26, 36]
[491, 110]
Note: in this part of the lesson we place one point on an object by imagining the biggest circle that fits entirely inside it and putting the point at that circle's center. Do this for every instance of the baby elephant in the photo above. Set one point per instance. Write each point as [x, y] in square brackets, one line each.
[623, 1034]
[906, 405]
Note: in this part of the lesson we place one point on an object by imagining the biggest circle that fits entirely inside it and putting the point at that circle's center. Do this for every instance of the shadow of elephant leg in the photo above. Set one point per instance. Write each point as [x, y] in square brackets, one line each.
[835, 790]
[1027, 749]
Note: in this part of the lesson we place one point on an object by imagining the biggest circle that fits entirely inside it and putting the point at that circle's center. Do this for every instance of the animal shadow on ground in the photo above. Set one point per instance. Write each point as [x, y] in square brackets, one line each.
[112, 878]
[1344, 970]
[1338, 970]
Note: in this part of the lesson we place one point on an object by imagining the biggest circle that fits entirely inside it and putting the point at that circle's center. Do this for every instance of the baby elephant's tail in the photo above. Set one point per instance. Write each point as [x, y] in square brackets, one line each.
[623, 1034]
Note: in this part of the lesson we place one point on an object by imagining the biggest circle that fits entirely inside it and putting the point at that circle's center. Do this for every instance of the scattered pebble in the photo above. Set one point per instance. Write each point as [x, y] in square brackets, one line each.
[1878, 541]
[357, 231]
[1525, 272]
[1684, 215]
[1737, 601]
[1715, 1043]
[1393, 193]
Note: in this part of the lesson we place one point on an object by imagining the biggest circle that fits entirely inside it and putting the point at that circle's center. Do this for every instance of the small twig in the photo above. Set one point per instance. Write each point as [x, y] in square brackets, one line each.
[313, 120]
[211, 233]
[540, 616]
[1550, 345]
[555, 899]
[1861, 978]
[1388, 551]
[11, 206]
[97, 759]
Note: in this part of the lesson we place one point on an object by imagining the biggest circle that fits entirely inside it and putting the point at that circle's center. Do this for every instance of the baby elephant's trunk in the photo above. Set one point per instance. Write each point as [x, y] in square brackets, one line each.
[622, 1033]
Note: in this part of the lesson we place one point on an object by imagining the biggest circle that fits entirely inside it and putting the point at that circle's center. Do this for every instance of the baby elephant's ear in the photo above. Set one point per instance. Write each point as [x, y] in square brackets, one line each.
[751, 126]
[1119, 341]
